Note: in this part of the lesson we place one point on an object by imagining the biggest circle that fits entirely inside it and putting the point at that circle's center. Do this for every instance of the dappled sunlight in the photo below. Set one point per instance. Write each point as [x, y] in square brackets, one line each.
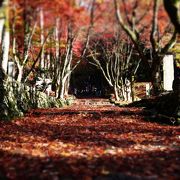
[89, 89]
[77, 142]
[94, 162]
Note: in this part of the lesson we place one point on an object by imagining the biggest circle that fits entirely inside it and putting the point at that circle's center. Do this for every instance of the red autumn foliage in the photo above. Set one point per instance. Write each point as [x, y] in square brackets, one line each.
[87, 140]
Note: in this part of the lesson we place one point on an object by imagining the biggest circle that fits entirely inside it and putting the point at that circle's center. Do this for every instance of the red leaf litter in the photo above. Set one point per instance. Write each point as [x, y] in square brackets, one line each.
[91, 139]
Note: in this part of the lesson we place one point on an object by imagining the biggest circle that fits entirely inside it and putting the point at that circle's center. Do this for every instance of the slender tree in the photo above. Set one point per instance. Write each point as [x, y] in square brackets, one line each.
[68, 64]
[4, 41]
[114, 59]
[41, 16]
[158, 49]
[6, 35]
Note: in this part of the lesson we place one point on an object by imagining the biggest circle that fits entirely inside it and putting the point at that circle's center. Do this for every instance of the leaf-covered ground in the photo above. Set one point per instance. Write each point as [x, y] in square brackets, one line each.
[89, 140]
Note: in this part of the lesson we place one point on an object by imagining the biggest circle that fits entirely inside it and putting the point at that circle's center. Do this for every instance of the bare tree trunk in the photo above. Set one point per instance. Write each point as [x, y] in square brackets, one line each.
[67, 83]
[61, 89]
[156, 77]
[5, 50]
[116, 93]
[1, 29]
[154, 40]
[6, 37]
[3, 109]
[57, 39]
[42, 63]
[65, 69]
[20, 73]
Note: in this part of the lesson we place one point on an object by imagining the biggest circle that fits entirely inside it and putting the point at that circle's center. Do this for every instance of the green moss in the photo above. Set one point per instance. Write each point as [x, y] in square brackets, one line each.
[19, 99]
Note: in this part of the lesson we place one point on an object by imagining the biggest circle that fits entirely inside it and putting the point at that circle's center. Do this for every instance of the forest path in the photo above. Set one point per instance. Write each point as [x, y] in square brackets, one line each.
[91, 139]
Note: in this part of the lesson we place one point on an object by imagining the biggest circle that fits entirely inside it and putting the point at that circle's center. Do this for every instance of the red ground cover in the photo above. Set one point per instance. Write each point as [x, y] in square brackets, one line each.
[89, 140]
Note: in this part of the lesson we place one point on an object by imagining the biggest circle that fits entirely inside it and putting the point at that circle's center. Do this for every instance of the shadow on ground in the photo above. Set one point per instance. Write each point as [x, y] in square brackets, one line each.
[104, 144]
[17, 166]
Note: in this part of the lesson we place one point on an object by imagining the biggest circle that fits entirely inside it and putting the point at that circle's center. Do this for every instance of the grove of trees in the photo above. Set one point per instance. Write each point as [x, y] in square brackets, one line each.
[44, 41]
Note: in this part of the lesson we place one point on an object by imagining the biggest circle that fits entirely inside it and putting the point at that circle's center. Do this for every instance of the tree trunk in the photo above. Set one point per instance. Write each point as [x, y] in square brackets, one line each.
[5, 50]
[2, 91]
[1, 29]
[116, 93]
[20, 73]
[61, 89]
[156, 83]
[3, 108]
[6, 36]
[42, 37]
[4, 42]
[67, 84]
[57, 39]
[156, 77]
[132, 89]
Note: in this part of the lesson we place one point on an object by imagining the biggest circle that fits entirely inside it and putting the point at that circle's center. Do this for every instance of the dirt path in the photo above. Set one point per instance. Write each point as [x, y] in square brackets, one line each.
[89, 140]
